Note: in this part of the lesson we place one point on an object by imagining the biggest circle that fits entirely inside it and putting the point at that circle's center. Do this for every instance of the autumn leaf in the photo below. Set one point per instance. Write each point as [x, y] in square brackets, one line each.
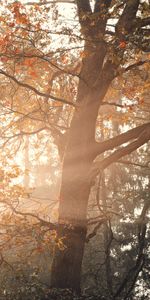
[29, 62]
[122, 45]
[21, 19]
[33, 74]
[12, 24]
[64, 59]
[4, 41]
[84, 54]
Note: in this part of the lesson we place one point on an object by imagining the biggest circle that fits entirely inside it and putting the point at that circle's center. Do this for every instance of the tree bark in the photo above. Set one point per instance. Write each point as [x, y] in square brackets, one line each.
[78, 159]
[75, 190]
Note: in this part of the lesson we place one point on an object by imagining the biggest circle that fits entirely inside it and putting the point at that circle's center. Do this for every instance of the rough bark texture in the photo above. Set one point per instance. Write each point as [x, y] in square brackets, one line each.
[75, 189]
[66, 268]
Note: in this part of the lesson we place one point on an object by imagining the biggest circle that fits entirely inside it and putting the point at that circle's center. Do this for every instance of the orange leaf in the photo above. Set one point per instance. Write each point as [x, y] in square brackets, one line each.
[29, 62]
[21, 19]
[122, 45]
[33, 73]
[64, 59]
[12, 24]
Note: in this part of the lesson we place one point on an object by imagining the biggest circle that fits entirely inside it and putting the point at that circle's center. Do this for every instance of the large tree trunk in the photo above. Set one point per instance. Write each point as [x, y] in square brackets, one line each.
[74, 195]
[78, 159]
[75, 189]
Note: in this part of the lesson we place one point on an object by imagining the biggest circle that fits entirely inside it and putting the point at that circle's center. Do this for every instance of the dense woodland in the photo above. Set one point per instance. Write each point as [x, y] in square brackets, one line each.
[74, 150]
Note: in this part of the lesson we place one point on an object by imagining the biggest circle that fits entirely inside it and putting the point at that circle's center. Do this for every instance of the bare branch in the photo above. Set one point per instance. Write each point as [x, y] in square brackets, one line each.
[50, 2]
[43, 222]
[21, 133]
[94, 232]
[25, 85]
[127, 162]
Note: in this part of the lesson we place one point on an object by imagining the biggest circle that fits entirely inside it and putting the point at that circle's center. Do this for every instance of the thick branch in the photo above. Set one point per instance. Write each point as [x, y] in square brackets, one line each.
[143, 22]
[101, 4]
[135, 65]
[84, 10]
[100, 166]
[125, 23]
[83, 6]
[101, 14]
[120, 139]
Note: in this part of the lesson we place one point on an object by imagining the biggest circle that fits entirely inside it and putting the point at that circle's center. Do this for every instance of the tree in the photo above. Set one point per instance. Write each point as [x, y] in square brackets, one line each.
[111, 49]
[96, 74]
